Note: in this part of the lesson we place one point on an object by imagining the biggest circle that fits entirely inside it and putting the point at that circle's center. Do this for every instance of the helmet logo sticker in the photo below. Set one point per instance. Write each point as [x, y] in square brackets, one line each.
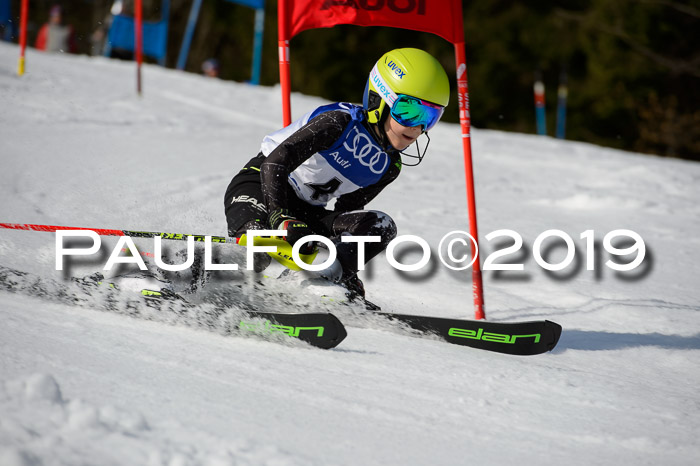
[368, 154]
[383, 88]
[396, 69]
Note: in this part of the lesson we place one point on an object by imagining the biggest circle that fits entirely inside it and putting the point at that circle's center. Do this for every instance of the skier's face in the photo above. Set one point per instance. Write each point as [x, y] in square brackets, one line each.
[400, 137]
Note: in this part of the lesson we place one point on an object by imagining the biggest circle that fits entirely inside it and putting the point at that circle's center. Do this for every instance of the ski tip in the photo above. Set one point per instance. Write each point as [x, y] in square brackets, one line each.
[341, 332]
[556, 330]
[335, 336]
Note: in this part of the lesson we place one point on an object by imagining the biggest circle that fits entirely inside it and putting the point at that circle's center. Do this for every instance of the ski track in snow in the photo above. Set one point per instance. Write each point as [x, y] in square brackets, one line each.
[82, 386]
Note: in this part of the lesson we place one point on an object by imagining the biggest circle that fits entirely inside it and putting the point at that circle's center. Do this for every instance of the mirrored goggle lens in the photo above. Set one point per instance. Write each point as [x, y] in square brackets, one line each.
[409, 111]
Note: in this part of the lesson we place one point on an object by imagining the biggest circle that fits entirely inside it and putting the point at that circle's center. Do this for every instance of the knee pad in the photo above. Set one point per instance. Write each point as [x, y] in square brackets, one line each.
[366, 223]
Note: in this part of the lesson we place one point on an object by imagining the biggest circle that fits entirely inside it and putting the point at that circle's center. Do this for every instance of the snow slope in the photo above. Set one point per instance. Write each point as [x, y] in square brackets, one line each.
[78, 386]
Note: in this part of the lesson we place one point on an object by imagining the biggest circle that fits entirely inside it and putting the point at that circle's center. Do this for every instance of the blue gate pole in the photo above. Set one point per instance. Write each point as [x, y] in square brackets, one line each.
[165, 17]
[189, 32]
[562, 94]
[540, 116]
[258, 45]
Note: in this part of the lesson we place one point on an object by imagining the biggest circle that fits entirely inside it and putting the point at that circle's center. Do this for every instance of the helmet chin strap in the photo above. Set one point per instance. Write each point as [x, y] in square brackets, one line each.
[378, 128]
[419, 156]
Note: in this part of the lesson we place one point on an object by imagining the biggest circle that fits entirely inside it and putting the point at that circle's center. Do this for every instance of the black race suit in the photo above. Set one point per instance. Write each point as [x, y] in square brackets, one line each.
[330, 153]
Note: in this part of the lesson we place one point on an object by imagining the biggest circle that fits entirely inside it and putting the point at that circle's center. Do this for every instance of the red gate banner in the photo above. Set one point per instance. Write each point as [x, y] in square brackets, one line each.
[441, 17]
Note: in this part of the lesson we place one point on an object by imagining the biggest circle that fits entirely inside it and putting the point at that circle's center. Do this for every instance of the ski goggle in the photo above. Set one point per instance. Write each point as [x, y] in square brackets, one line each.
[411, 111]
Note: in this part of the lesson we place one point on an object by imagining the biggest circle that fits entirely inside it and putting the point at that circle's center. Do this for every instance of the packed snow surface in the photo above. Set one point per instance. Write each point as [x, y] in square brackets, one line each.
[78, 385]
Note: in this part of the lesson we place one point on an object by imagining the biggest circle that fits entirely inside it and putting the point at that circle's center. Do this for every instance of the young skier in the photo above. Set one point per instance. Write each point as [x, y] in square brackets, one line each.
[345, 152]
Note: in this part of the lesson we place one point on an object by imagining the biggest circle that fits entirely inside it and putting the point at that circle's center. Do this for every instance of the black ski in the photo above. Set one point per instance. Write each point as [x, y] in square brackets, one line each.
[319, 329]
[322, 330]
[519, 338]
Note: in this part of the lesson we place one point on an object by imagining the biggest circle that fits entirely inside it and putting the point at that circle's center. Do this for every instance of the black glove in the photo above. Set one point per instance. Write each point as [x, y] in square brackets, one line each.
[281, 219]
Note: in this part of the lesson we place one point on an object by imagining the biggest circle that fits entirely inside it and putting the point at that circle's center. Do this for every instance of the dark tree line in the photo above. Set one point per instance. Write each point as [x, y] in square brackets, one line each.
[633, 66]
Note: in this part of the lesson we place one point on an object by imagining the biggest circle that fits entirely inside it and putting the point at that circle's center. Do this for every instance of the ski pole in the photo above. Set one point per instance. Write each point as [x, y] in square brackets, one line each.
[283, 254]
[111, 232]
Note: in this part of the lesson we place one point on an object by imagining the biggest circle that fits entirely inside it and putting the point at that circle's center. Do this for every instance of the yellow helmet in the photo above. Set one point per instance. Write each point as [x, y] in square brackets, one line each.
[405, 72]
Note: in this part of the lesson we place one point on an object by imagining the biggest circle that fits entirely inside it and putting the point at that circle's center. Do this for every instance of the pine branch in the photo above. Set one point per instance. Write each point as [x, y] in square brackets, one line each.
[677, 66]
[686, 9]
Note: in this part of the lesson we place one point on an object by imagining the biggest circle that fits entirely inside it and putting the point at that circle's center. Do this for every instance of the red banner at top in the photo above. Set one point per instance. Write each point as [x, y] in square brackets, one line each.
[441, 17]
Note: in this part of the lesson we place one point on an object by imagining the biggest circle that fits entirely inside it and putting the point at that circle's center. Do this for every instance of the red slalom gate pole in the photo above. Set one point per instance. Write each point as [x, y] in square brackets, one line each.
[138, 41]
[285, 82]
[465, 121]
[283, 45]
[22, 36]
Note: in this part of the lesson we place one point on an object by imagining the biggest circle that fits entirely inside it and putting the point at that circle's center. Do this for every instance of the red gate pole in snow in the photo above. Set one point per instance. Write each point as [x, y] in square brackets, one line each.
[283, 45]
[465, 123]
[440, 17]
[22, 36]
[138, 41]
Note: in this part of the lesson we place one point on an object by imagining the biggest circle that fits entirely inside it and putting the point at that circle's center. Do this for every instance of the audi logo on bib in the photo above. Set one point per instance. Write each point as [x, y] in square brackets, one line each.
[366, 152]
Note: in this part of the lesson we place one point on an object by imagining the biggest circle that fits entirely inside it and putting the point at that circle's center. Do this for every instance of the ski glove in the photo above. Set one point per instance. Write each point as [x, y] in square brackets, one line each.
[281, 219]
